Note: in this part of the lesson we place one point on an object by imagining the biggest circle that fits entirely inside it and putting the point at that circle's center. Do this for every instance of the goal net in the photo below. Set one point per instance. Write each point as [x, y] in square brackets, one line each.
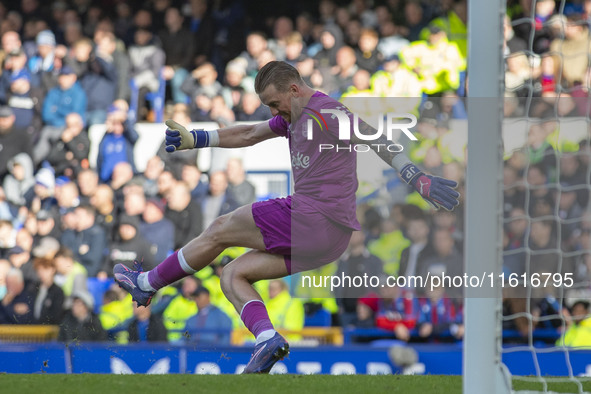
[538, 218]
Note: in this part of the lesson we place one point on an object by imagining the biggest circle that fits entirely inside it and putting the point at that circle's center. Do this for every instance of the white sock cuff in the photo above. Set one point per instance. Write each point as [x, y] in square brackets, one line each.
[242, 310]
[186, 267]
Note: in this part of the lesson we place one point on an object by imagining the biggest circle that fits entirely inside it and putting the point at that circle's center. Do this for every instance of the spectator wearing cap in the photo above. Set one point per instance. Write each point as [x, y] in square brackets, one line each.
[18, 183]
[146, 326]
[131, 246]
[87, 240]
[66, 98]
[69, 154]
[44, 191]
[16, 306]
[98, 76]
[157, 229]
[43, 62]
[80, 323]
[25, 103]
[12, 139]
[210, 325]
[48, 298]
[116, 145]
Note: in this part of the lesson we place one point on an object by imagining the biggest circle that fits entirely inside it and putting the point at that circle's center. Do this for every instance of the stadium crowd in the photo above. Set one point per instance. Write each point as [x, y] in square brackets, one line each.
[69, 65]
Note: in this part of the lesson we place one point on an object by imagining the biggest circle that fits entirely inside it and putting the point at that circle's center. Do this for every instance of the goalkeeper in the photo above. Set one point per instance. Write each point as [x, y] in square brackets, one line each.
[286, 235]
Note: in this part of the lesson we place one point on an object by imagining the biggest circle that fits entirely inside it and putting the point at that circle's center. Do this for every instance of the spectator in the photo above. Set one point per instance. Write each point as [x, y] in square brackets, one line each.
[180, 309]
[87, 241]
[130, 247]
[48, 298]
[146, 326]
[18, 183]
[184, 213]
[542, 32]
[66, 193]
[154, 168]
[445, 258]
[439, 316]
[368, 56]
[251, 109]
[116, 310]
[5, 267]
[175, 161]
[203, 27]
[157, 230]
[578, 332]
[284, 311]
[356, 261]
[103, 201]
[48, 225]
[192, 176]
[240, 191]
[134, 203]
[12, 140]
[70, 275]
[81, 323]
[42, 64]
[397, 311]
[179, 47]
[390, 42]
[218, 201]
[210, 325]
[69, 154]
[121, 177]
[412, 259]
[345, 69]
[66, 98]
[44, 190]
[98, 76]
[389, 244]
[108, 47]
[25, 102]
[16, 306]
[147, 61]
[570, 53]
[331, 40]
[166, 180]
[437, 61]
[294, 47]
[454, 26]
[116, 145]
[256, 44]
[202, 81]
[87, 181]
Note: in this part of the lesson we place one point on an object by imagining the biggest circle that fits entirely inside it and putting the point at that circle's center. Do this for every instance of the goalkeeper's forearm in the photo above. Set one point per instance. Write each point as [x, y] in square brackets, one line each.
[237, 136]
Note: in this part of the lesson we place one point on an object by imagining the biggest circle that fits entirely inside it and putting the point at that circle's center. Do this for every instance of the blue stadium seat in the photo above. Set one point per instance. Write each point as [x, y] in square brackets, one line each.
[320, 318]
[97, 288]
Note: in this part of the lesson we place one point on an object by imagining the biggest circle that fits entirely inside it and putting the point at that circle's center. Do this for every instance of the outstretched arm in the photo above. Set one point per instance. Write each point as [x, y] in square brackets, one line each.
[179, 138]
[437, 191]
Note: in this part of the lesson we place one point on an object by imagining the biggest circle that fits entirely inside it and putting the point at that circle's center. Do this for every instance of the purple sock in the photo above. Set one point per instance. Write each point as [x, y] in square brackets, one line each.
[167, 272]
[255, 317]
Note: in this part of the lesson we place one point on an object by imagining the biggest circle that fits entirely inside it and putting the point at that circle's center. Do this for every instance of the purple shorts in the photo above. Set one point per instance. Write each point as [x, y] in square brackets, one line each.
[306, 238]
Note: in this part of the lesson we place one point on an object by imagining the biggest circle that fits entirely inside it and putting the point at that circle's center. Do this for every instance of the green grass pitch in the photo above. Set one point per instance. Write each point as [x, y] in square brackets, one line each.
[282, 384]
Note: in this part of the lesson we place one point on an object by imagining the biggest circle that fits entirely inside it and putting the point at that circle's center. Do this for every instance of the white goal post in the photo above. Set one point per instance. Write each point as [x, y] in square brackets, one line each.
[483, 371]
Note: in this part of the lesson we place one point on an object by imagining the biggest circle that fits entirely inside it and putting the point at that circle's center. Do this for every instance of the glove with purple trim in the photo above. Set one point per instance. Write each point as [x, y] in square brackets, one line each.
[437, 191]
[179, 138]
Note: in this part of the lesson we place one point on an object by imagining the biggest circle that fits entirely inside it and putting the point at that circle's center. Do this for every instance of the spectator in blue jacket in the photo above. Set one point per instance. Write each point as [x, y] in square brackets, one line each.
[64, 99]
[116, 145]
[210, 325]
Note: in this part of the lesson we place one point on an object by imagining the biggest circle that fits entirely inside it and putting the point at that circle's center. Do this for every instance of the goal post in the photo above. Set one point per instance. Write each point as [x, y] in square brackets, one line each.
[482, 367]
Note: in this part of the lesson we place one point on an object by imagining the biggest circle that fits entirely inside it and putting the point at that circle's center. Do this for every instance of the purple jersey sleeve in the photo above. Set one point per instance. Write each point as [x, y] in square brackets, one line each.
[278, 125]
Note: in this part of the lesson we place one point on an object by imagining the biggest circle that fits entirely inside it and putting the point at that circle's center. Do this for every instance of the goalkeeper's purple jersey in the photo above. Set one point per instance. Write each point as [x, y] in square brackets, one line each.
[324, 180]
